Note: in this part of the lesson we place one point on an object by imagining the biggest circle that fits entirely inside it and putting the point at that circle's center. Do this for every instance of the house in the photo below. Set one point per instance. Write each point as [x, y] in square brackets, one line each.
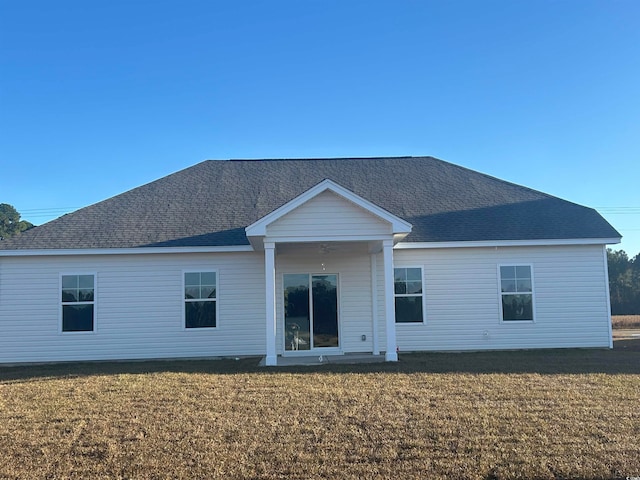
[301, 257]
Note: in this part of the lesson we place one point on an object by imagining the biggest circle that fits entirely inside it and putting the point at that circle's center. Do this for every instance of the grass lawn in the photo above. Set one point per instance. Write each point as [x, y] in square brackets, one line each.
[543, 414]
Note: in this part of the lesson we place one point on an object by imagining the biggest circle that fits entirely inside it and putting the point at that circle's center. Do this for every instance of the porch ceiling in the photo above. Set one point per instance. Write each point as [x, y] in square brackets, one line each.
[330, 247]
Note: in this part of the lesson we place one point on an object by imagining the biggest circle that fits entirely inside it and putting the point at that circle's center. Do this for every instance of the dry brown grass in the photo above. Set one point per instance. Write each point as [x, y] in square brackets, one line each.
[547, 414]
[625, 321]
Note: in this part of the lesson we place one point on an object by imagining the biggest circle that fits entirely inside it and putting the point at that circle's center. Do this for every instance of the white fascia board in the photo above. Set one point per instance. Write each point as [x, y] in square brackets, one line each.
[259, 228]
[508, 243]
[124, 251]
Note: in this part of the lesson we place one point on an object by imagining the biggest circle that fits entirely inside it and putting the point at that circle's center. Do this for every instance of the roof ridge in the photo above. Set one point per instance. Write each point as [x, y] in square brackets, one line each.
[506, 182]
[317, 159]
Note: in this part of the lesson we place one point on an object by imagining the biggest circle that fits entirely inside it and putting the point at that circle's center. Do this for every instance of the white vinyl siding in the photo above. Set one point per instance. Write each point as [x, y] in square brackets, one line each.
[141, 301]
[140, 308]
[328, 214]
[463, 299]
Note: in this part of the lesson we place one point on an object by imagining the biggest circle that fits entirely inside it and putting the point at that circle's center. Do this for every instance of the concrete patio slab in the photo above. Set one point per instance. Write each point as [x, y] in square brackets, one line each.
[351, 358]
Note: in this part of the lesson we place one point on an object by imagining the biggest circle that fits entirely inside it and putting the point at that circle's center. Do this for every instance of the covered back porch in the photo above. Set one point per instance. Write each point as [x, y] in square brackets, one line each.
[328, 259]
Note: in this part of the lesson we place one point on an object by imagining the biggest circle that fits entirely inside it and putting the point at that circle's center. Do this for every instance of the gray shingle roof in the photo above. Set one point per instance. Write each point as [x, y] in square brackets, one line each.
[212, 202]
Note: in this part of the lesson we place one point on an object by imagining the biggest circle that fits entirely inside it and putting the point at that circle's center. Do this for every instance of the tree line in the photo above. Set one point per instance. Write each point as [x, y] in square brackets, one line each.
[624, 282]
[10, 223]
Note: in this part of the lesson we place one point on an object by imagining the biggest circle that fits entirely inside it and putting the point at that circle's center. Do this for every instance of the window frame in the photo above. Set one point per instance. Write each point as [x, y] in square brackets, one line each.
[62, 304]
[532, 293]
[216, 300]
[423, 294]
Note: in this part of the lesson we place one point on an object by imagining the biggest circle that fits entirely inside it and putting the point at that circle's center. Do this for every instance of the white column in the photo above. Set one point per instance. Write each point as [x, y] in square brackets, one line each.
[374, 302]
[391, 354]
[270, 291]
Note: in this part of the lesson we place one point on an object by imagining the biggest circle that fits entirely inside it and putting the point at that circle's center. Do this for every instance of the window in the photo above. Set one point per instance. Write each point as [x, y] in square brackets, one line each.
[200, 299]
[407, 284]
[516, 292]
[78, 303]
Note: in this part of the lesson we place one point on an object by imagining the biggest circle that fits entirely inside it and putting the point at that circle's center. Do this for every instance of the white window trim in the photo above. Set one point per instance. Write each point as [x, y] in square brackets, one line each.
[94, 303]
[533, 293]
[217, 300]
[423, 294]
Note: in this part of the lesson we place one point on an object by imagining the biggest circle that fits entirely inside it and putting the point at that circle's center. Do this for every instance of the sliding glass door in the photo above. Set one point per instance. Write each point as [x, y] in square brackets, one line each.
[324, 301]
[310, 311]
[297, 314]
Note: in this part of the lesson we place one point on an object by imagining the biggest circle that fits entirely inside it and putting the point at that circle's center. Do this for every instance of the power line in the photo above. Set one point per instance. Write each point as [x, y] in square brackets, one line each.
[619, 210]
[34, 214]
[48, 210]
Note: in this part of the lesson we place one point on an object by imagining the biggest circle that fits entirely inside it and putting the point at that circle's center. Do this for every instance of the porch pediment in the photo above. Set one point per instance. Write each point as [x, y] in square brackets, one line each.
[327, 212]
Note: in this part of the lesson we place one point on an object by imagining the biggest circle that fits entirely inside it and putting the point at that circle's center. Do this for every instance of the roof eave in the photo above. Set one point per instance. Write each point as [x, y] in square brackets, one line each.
[509, 243]
[123, 251]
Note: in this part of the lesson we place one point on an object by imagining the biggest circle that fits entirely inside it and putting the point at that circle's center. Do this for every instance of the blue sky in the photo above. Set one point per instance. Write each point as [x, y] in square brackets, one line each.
[98, 97]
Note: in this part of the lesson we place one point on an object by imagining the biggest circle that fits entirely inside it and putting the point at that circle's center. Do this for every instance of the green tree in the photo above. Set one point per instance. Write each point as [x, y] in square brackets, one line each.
[635, 280]
[624, 283]
[10, 223]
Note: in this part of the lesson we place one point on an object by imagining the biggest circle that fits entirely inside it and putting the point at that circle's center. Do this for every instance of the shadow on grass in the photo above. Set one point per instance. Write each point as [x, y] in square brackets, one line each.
[624, 359]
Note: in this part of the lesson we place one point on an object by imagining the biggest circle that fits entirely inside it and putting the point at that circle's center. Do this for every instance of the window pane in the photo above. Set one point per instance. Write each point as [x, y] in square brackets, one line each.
[324, 292]
[508, 285]
[77, 318]
[297, 315]
[507, 272]
[208, 292]
[85, 296]
[413, 274]
[408, 309]
[524, 285]
[296, 280]
[517, 307]
[200, 314]
[85, 281]
[414, 287]
[70, 295]
[192, 292]
[192, 279]
[208, 278]
[399, 274]
[523, 272]
[400, 287]
[69, 281]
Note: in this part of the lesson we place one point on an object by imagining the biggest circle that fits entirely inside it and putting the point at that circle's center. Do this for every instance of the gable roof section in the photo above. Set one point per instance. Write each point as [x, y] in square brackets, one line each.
[211, 204]
[259, 228]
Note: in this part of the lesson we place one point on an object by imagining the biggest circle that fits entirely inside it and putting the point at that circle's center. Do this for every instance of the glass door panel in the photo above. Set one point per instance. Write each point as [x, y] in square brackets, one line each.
[310, 311]
[325, 310]
[297, 321]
